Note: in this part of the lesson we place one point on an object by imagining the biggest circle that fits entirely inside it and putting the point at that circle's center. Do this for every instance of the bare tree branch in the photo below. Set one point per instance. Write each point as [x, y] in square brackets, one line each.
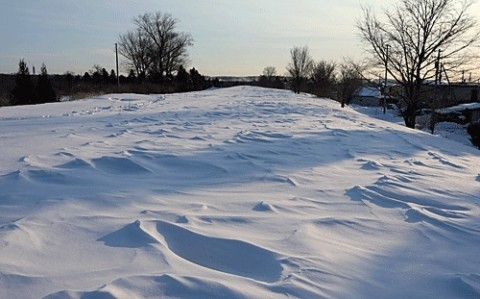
[299, 67]
[155, 48]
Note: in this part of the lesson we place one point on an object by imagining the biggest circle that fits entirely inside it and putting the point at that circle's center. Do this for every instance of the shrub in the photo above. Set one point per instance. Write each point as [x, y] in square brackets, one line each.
[474, 130]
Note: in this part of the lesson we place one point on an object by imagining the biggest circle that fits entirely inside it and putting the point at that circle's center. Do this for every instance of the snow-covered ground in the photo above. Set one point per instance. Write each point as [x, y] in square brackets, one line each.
[232, 193]
[449, 130]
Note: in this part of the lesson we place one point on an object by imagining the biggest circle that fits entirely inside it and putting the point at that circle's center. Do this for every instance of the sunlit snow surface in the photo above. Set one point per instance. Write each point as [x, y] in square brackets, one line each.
[232, 193]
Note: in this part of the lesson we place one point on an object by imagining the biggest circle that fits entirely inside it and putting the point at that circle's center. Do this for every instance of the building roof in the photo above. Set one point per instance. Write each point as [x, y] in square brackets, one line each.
[368, 91]
[462, 107]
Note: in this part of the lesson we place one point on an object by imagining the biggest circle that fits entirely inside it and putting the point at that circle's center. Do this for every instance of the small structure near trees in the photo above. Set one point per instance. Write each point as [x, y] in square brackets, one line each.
[367, 96]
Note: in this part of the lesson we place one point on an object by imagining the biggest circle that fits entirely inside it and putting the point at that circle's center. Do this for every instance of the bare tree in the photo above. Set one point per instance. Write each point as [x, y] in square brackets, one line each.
[136, 48]
[323, 77]
[176, 52]
[350, 77]
[299, 67]
[270, 79]
[269, 72]
[156, 48]
[415, 35]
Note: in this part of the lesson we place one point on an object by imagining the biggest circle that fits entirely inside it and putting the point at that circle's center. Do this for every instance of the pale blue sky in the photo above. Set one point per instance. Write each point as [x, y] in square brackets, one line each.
[231, 37]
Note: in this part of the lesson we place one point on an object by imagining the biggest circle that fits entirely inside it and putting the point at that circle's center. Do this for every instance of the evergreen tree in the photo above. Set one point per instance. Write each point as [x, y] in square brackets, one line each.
[69, 79]
[198, 81]
[112, 78]
[87, 78]
[96, 74]
[44, 90]
[97, 78]
[105, 76]
[131, 77]
[23, 92]
[183, 80]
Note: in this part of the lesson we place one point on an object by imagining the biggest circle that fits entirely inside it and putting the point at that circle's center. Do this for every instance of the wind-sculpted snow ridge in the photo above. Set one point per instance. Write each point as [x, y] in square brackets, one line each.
[232, 193]
[223, 255]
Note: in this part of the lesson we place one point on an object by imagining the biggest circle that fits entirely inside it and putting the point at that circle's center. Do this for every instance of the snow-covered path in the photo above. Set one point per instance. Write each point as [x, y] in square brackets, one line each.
[232, 193]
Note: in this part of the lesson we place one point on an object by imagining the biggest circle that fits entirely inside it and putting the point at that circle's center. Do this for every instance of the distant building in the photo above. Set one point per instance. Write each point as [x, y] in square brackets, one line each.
[367, 96]
[445, 95]
[463, 113]
[455, 94]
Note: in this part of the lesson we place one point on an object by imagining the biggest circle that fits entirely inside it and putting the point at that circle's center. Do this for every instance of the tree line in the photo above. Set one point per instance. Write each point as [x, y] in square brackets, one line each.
[322, 78]
[28, 92]
[155, 53]
[25, 88]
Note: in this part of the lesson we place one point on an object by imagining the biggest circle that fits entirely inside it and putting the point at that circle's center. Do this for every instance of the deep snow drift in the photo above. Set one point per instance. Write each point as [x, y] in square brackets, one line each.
[232, 193]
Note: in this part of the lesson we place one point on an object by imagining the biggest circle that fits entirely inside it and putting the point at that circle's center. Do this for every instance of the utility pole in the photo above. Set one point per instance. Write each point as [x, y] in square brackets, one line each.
[385, 82]
[437, 68]
[438, 81]
[116, 60]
